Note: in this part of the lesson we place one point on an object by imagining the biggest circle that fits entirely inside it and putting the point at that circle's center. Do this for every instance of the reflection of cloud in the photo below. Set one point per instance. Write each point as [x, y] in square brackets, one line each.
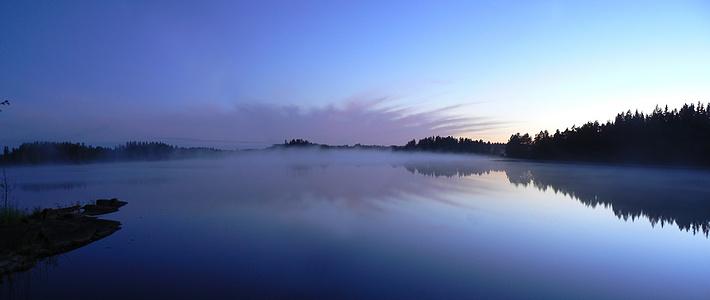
[356, 121]
[359, 180]
[283, 180]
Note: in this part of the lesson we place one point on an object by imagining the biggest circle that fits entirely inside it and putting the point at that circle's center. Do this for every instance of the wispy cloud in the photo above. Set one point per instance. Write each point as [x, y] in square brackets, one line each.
[375, 121]
[363, 121]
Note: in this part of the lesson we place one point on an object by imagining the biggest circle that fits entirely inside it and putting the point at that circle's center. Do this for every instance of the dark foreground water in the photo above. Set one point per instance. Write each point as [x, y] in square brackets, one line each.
[374, 225]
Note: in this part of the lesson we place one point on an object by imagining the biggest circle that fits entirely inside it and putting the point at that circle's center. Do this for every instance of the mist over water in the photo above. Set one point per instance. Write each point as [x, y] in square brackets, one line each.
[377, 224]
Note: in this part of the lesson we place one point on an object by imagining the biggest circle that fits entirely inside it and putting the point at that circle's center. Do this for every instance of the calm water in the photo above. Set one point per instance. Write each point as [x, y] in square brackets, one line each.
[376, 225]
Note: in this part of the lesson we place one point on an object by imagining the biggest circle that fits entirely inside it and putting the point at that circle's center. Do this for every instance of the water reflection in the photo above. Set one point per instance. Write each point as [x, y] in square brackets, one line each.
[37, 187]
[363, 181]
[663, 196]
[21, 285]
[363, 225]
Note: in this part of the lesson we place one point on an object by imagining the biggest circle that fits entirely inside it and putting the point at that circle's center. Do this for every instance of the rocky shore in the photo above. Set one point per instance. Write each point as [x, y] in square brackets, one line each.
[54, 231]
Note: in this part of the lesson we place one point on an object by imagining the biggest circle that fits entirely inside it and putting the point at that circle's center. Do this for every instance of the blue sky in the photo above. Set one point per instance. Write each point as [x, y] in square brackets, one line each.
[340, 71]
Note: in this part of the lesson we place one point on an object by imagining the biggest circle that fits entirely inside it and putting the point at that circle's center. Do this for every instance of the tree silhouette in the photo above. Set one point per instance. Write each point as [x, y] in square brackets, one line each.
[663, 136]
[65, 152]
[452, 144]
[298, 143]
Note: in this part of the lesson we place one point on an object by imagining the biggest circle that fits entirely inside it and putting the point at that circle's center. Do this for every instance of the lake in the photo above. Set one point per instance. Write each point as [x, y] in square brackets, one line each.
[375, 225]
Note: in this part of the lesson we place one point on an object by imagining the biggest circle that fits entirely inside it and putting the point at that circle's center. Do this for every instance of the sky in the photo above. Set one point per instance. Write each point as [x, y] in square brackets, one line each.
[246, 74]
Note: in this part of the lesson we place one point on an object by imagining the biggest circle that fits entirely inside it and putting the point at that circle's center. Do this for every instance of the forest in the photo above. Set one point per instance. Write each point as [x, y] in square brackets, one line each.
[447, 144]
[678, 136]
[66, 152]
[453, 145]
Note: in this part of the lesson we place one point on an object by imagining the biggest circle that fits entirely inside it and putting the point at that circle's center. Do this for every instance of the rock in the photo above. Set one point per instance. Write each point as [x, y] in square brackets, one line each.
[110, 202]
[103, 206]
[62, 234]
[59, 212]
[96, 210]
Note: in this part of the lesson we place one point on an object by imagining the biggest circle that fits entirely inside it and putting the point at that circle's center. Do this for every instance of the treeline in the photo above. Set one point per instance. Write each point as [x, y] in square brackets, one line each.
[664, 137]
[453, 145]
[66, 152]
[431, 144]
[298, 143]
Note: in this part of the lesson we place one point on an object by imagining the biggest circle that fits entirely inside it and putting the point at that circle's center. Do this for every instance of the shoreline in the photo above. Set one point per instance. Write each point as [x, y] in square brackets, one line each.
[54, 231]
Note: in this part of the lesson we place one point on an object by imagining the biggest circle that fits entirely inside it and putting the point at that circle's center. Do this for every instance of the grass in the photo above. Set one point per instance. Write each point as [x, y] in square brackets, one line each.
[11, 215]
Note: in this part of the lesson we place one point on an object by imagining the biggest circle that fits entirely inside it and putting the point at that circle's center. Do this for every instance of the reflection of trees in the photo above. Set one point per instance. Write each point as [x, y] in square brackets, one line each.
[453, 168]
[663, 196]
[22, 285]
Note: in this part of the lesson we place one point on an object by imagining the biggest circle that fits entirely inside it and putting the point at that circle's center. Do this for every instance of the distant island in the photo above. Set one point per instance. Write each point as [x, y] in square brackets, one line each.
[447, 144]
[79, 153]
[302, 143]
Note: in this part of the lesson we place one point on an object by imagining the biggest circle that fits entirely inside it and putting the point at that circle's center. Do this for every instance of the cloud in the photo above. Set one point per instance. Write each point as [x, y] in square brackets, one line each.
[369, 122]
[375, 121]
